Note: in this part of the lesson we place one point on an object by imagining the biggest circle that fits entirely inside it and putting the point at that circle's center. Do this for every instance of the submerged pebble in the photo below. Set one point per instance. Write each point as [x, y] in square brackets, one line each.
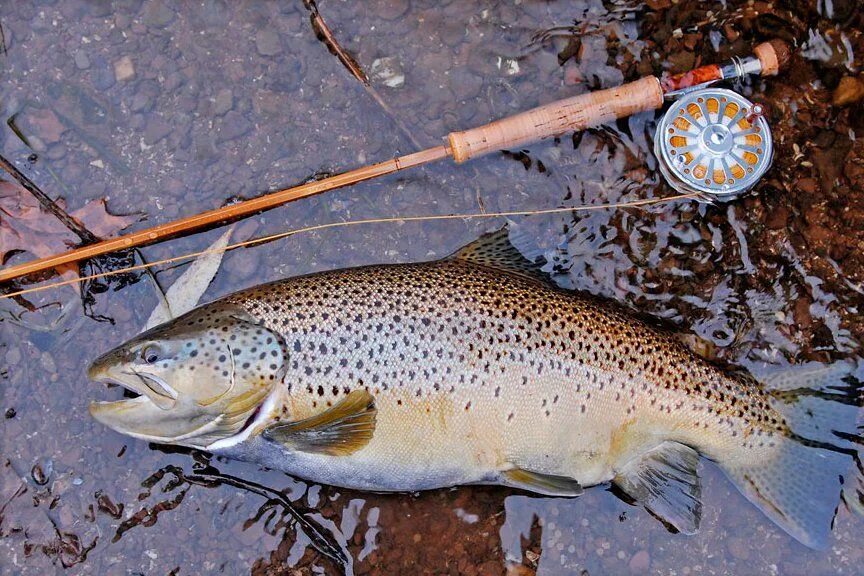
[640, 562]
[223, 102]
[268, 43]
[387, 71]
[157, 128]
[82, 62]
[158, 14]
[124, 69]
[101, 74]
[41, 475]
[234, 125]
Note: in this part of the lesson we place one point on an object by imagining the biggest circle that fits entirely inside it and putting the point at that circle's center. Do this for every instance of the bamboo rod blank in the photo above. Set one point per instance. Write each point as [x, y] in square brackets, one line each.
[219, 215]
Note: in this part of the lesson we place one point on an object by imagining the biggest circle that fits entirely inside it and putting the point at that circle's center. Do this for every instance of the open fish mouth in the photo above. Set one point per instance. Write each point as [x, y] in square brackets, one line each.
[142, 384]
[150, 412]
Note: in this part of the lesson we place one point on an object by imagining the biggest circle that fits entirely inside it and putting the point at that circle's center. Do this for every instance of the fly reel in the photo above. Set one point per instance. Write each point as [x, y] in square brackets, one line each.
[713, 142]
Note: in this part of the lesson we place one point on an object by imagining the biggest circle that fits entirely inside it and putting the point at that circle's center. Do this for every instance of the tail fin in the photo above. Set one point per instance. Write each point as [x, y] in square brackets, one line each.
[820, 463]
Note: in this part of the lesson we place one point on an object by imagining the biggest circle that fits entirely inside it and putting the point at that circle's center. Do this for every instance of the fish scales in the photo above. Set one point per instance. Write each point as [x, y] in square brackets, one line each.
[475, 370]
[472, 370]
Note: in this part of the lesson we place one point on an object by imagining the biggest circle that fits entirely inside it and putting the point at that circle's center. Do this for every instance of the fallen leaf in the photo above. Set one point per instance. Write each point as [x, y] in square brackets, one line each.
[26, 227]
[187, 290]
[96, 218]
[850, 90]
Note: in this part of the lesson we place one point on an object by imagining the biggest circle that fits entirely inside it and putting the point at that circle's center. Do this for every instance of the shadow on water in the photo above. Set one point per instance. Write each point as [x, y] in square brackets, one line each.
[143, 104]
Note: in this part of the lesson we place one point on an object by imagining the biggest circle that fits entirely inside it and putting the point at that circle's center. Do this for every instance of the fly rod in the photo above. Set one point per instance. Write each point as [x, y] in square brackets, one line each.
[547, 121]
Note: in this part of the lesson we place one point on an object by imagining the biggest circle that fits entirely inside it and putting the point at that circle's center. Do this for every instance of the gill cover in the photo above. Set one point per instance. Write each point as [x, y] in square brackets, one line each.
[200, 377]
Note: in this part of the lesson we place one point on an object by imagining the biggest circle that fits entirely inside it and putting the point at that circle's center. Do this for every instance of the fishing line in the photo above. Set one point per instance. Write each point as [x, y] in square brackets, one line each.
[383, 220]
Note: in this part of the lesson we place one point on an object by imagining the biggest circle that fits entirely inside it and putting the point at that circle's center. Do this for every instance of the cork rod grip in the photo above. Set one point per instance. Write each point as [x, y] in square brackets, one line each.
[773, 56]
[576, 113]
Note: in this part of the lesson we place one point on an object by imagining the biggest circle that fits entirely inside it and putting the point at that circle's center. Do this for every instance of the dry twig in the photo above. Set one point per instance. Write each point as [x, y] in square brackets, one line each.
[323, 32]
[47, 203]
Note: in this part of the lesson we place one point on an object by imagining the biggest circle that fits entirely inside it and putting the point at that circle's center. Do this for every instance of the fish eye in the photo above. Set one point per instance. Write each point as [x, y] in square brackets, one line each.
[152, 353]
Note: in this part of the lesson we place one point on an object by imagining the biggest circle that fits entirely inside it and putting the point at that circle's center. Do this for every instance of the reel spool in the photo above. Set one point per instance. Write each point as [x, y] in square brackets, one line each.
[714, 142]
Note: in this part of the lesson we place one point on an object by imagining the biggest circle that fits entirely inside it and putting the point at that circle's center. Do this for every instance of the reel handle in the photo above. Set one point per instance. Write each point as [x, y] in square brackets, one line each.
[556, 118]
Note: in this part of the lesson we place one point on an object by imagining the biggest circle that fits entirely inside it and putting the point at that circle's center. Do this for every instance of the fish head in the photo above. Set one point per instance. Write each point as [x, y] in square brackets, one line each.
[197, 379]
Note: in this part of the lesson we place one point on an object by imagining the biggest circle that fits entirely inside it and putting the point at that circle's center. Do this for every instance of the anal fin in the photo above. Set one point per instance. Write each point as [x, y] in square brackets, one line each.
[546, 484]
[665, 480]
[338, 431]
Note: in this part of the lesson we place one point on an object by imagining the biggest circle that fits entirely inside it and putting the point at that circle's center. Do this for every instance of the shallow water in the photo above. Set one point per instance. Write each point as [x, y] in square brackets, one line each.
[168, 111]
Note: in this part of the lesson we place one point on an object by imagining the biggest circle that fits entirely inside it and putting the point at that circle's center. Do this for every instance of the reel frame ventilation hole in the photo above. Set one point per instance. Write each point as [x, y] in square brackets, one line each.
[715, 142]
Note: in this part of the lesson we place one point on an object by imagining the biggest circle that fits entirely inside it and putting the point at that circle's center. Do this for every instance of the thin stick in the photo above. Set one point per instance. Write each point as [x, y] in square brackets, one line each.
[315, 534]
[278, 235]
[226, 213]
[47, 203]
[329, 39]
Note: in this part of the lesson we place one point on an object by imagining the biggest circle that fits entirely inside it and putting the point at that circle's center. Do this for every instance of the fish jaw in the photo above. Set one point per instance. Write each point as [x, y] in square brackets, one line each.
[105, 369]
[137, 417]
[149, 415]
[129, 415]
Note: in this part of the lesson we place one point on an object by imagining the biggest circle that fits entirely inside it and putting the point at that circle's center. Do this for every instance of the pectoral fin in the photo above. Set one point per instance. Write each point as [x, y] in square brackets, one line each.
[666, 481]
[338, 431]
[546, 484]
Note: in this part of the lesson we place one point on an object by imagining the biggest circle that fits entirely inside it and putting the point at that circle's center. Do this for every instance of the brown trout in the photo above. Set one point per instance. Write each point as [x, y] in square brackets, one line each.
[475, 369]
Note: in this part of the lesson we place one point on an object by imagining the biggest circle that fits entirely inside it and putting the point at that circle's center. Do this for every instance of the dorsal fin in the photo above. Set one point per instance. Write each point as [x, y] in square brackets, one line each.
[498, 250]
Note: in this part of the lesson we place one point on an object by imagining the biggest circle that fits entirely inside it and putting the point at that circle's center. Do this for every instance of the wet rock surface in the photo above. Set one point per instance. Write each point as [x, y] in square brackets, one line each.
[174, 109]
